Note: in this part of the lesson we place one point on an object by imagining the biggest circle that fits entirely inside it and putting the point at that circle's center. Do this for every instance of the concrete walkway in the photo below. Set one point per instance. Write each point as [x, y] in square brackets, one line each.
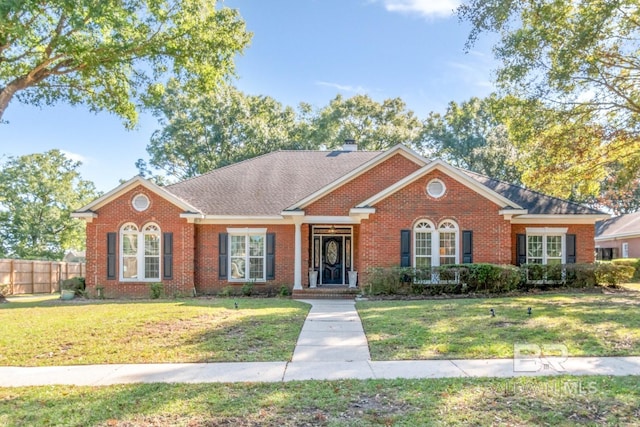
[331, 345]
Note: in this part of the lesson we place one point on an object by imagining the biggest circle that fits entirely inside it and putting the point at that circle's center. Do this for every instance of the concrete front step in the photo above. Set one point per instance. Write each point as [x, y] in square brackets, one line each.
[326, 293]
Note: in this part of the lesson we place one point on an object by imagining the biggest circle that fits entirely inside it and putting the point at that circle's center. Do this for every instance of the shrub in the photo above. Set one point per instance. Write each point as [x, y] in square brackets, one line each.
[610, 274]
[247, 289]
[156, 289]
[75, 284]
[227, 291]
[631, 262]
[580, 275]
[284, 291]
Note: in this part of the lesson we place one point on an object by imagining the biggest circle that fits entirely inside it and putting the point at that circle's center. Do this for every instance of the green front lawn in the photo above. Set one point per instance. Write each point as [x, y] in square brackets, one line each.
[46, 332]
[560, 401]
[588, 324]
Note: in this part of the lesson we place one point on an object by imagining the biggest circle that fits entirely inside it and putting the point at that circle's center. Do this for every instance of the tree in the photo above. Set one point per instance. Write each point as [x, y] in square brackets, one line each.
[224, 126]
[571, 72]
[375, 126]
[38, 192]
[471, 136]
[105, 54]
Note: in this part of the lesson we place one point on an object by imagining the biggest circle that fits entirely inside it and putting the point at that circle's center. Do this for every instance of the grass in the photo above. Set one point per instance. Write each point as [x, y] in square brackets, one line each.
[47, 332]
[588, 324]
[558, 401]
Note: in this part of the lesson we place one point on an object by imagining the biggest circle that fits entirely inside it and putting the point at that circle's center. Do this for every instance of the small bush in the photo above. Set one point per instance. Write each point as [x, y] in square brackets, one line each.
[75, 284]
[284, 291]
[580, 275]
[631, 262]
[247, 289]
[226, 292]
[613, 274]
[156, 289]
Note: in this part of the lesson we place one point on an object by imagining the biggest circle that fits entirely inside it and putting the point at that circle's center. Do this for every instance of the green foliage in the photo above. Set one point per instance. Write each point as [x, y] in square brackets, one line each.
[106, 54]
[569, 70]
[373, 125]
[227, 291]
[284, 291]
[610, 274]
[247, 289]
[38, 192]
[471, 136]
[491, 278]
[75, 284]
[632, 262]
[207, 130]
[156, 290]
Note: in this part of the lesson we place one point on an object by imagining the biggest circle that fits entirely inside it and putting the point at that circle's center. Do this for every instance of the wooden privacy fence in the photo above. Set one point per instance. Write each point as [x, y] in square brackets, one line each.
[37, 277]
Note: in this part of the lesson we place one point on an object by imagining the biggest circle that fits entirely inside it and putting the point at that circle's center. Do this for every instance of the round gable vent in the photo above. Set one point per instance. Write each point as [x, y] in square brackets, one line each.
[140, 202]
[436, 188]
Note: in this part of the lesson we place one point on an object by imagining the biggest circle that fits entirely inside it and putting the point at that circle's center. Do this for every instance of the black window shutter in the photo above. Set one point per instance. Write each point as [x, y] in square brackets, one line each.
[521, 249]
[222, 255]
[571, 248]
[111, 255]
[467, 247]
[405, 248]
[167, 256]
[271, 256]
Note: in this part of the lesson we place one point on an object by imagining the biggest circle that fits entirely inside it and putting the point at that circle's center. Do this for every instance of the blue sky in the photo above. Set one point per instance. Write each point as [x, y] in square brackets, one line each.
[301, 51]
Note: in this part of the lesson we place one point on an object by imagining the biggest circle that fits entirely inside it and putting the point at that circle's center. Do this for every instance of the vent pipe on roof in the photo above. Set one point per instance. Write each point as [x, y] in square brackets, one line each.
[350, 145]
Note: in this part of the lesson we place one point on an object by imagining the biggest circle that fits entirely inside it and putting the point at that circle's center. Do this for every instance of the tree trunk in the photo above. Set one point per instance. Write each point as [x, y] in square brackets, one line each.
[7, 93]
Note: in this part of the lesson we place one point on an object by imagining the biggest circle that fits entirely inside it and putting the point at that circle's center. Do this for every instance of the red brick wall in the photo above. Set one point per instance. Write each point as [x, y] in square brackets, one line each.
[111, 217]
[207, 279]
[585, 245]
[379, 241]
[339, 201]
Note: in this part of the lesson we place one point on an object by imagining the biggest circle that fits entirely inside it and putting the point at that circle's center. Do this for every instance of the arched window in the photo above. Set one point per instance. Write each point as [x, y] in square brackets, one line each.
[140, 250]
[435, 246]
[423, 244]
[448, 233]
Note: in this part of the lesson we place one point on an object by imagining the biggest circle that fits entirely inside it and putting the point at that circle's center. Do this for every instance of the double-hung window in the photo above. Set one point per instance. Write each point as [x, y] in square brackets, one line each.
[140, 253]
[435, 246]
[546, 245]
[247, 250]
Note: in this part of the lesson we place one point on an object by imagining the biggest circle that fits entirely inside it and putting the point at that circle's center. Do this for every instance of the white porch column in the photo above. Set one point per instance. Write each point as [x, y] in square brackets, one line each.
[297, 260]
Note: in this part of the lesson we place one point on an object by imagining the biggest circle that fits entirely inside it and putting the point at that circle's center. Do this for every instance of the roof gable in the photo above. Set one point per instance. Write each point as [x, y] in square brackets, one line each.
[380, 158]
[621, 226]
[450, 171]
[127, 186]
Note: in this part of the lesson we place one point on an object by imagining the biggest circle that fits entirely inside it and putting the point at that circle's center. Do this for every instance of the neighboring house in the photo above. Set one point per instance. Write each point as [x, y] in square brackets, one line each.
[270, 219]
[74, 256]
[618, 237]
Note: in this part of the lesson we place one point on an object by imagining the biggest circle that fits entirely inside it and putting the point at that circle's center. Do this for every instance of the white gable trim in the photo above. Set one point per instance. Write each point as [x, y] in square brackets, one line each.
[618, 236]
[398, 149]
[123, 188]
[449, 171]
[558, 219]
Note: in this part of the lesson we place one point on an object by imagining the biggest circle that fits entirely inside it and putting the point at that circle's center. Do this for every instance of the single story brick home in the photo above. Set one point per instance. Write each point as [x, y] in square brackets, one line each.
[316, 218]
[618, 237]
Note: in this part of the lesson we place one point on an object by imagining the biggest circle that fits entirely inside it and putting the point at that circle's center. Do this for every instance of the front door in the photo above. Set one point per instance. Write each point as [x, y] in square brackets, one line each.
[332, 260]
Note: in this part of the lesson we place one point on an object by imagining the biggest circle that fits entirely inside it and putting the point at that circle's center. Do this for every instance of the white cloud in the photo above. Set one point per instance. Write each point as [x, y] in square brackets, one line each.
[344, 88]
[425, 8]
[74, 156]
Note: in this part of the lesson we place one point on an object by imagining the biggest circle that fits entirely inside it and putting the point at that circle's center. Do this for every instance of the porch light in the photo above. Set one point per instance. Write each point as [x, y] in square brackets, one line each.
[332, 229]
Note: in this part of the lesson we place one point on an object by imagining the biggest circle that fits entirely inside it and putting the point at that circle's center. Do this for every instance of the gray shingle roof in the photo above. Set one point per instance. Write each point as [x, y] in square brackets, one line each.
[533, 201]
[268, 184]
[622, 224]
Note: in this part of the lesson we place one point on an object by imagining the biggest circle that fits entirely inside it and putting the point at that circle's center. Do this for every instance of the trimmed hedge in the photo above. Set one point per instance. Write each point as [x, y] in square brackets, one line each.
[491, 278]
[631, 262]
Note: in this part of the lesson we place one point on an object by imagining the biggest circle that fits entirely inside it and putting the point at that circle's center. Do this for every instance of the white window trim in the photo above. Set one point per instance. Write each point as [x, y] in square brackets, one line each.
[444, 188]
[435, 240]
[140, 255]
[545, 232]
[247, 232]
[624, 250]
